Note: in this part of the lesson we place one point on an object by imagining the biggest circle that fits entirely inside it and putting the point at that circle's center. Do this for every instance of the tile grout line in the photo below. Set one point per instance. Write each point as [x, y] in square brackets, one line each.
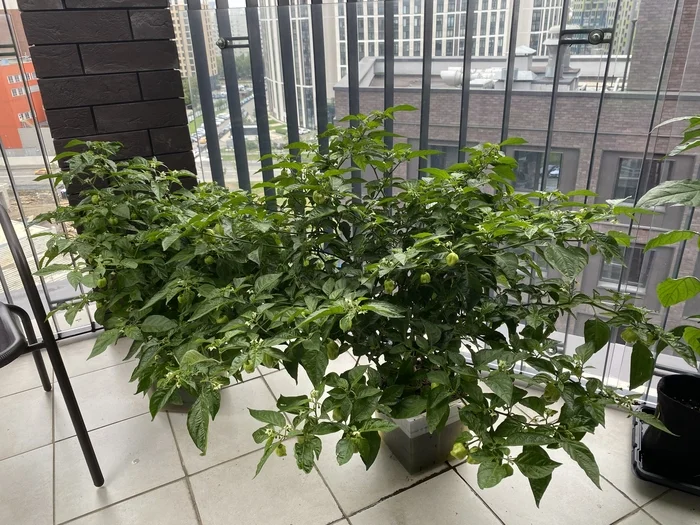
[650, 516]
[115, 503]
[477, 495]
[622, 492]
[184, 469]
[652, 500]
[628, 515]
[399, 491]
[104, 426]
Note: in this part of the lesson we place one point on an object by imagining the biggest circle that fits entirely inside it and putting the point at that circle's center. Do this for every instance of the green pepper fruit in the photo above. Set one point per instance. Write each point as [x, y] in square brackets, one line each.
[101, 282]
[508, 469]
[209, 259]
[219, 229]
[332, 350]
[249, 367]
[95, 199]
[113, 221]
[269, 361]
[281, 450]
[425, 278]
[319, 198]
[222, 319]
[451, 259]
[389, 286]
[459, 451]
[593, 250]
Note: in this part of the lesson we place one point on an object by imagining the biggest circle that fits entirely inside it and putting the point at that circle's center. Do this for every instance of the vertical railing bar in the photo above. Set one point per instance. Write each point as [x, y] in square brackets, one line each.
[319, 73]
[428, 10]
[659, 83]
[388, 77]
[257, 72]
[510, 67]
[290, 88]
[228, 60]
[5, 287]
[42, 147]
[470, 13]
[353, 72]
[602, 99]
[555, 91]
[201, 63]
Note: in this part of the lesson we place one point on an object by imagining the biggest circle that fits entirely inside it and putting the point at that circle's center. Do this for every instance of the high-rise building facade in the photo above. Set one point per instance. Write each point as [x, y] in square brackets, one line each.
[183, 38]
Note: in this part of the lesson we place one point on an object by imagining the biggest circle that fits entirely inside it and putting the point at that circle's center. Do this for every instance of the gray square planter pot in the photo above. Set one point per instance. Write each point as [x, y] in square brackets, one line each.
[417, 449]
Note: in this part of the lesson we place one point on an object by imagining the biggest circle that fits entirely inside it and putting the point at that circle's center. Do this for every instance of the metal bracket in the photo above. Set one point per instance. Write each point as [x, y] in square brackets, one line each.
[231, 43]
[594, 37]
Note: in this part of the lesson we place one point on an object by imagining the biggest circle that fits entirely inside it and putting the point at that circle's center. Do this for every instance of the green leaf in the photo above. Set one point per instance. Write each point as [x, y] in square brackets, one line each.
[344, 450]
[267, 282]
[502, 385]
[157, 324]
[314, 362]
[583, 456]
[490, 474]
[269, 449]
[641, 365]
[52, 268]
[369, 445]
[304, 452]
[581, 193]
[667, 238]
[521, 439]
[268, 416]
[378, 425]
[74, 278]
[596, 332]
[410, 406]
[198, 423]
[122, 210]
[538, 486]
[621, 238]
[513, 141]
[384, 309]
[534, 463]
[160, 398]
[649, 419]
[440, 377]
[169, 240]
[569, 261]
[437, 414]
[103, 341]
[673, 192]
[673, 291]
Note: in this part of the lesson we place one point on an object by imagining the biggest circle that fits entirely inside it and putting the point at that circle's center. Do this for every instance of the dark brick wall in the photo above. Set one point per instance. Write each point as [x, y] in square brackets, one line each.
[107, 70]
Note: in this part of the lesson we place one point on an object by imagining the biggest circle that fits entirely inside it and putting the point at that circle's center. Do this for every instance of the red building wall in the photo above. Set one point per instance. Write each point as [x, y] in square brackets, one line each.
[16, 112]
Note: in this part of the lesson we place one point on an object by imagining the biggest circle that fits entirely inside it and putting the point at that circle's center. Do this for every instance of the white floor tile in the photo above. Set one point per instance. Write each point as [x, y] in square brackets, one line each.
[230, 434]
[283, 384]
[676, 508]
[445, 499]
[612, 447]
[25, 421]
[105, 396]
[571, 498]
[135, 456]
[75, 355]
[638, 518]
[26, 488]
[354, 486]
[169, 505]
[21, 375]
[280, 495]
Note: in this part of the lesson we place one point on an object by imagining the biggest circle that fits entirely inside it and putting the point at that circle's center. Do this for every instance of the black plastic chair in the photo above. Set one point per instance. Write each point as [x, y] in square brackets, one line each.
[14, 343]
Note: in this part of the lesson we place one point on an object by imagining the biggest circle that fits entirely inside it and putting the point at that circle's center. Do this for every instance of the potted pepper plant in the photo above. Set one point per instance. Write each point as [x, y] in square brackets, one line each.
[434, 286]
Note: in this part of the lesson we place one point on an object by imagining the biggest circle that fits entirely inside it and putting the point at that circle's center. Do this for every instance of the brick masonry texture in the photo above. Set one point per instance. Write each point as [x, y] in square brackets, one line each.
[151, 24]
[56, 61]
[59, 27]
[69, 123]
[36, 5]
[135, 143]
[180, 161]
[140, 115]
[96, 4]
[108, 70]
[82, 91]
[129, 56]
[161, 84]
[171, 140]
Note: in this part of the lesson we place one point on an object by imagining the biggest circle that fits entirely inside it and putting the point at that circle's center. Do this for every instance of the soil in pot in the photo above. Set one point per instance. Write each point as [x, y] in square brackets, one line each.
[677, 457]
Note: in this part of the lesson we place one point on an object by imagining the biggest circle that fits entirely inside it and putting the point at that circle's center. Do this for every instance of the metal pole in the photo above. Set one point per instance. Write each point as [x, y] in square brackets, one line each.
[353, 72]
[257, 71]
[389, 76]
[428, 10]
[201, 62]
[466, 74]
[319, 73]
[510, 68]
[228, 58]
[290, 87]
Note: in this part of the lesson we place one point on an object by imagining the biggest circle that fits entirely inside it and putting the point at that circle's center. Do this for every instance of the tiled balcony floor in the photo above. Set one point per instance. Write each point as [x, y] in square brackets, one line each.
[154, 474]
